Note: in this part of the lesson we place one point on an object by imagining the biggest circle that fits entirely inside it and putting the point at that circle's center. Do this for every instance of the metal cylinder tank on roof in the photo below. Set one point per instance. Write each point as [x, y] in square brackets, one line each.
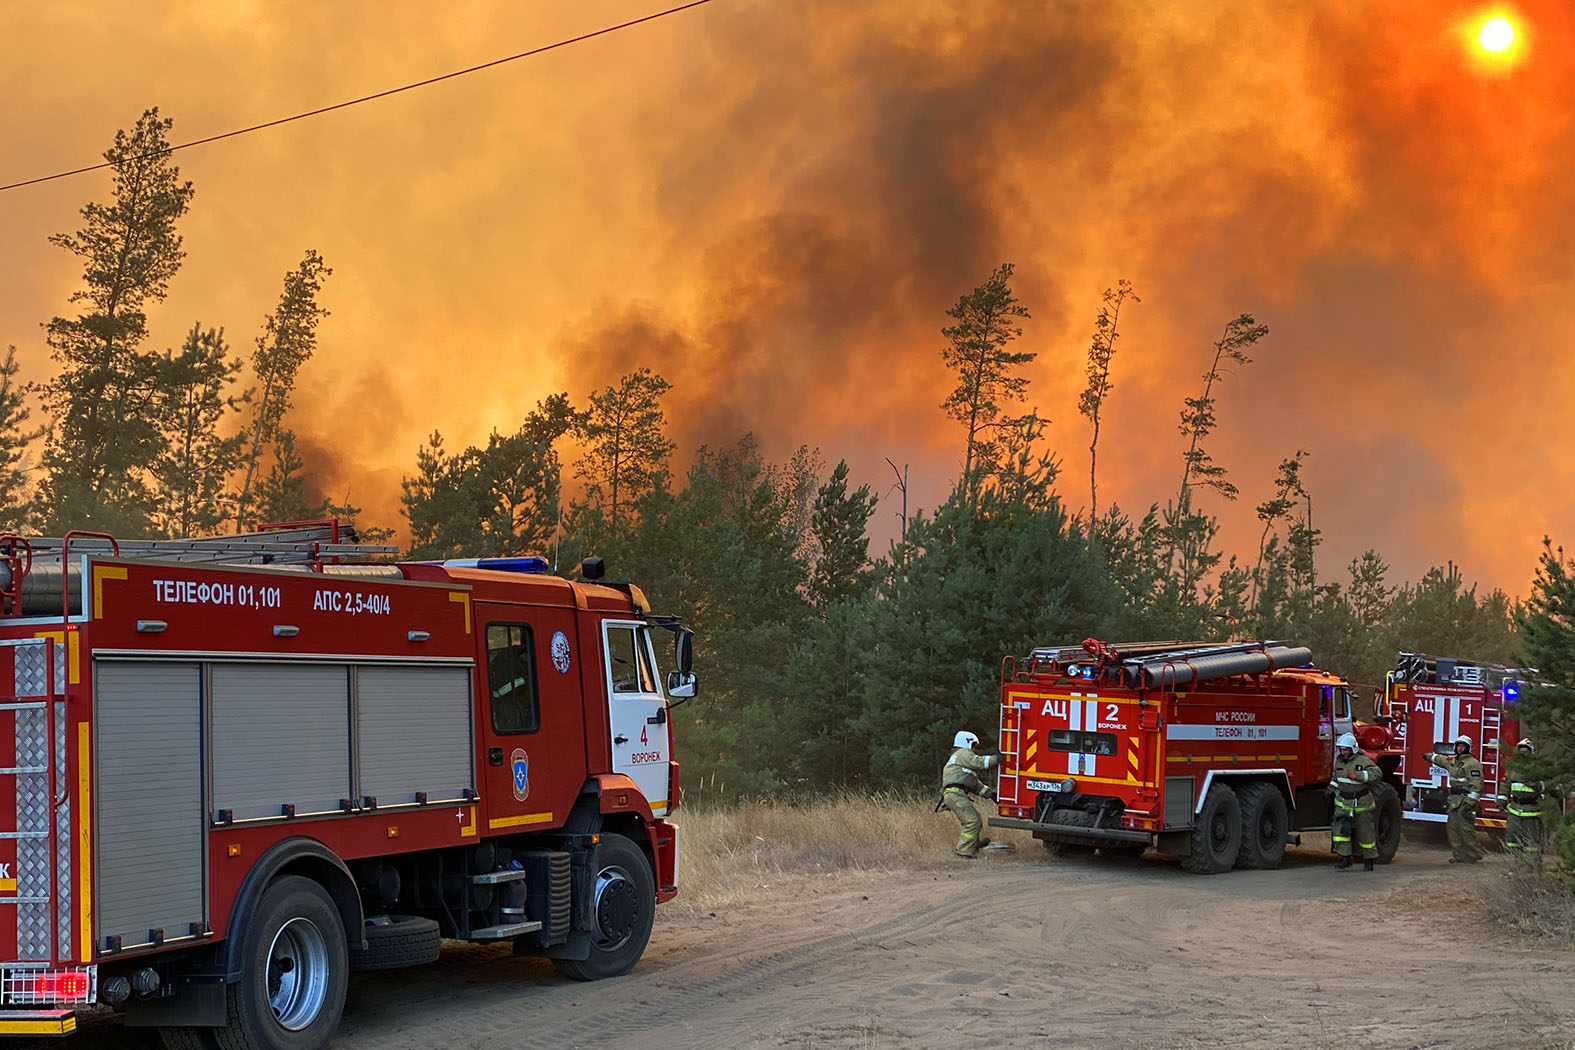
[1202, 668]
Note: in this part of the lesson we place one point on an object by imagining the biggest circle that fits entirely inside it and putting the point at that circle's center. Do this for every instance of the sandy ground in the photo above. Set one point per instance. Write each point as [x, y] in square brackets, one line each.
[1019, 952]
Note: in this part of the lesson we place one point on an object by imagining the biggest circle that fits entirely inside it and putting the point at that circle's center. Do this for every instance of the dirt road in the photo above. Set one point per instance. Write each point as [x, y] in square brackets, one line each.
[1018, 952]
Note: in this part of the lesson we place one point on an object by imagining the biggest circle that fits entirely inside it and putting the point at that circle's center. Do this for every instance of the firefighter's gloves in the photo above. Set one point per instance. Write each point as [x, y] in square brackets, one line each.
[987, 793]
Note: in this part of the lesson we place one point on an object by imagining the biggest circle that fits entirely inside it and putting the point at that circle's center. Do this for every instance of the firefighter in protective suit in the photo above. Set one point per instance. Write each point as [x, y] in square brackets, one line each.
[959, 780]
[1465, 789]
[1355, 808]
[1523, 804]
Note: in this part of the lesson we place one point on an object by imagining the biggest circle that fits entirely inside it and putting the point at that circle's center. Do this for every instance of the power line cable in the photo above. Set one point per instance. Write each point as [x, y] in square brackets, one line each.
[367, 98]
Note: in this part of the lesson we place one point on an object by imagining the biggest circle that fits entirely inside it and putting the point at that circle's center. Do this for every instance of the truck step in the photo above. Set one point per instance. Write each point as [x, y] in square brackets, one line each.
[492, 878]
[505, 932]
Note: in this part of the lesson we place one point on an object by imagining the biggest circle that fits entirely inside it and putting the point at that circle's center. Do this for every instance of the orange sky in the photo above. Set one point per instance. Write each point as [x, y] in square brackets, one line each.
[773, 203]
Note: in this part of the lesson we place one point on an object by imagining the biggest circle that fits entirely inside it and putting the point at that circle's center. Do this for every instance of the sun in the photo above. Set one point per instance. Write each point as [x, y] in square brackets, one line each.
[1497, 35]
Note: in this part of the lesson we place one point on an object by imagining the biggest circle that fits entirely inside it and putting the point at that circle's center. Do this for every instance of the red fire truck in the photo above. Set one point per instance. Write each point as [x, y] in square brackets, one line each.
[1220, 753]
[242, 767]
[1430, 701]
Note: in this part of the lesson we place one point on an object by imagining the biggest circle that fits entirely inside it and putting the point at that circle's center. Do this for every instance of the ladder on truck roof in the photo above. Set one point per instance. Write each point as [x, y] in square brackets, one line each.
[290, 545]
[36, 579]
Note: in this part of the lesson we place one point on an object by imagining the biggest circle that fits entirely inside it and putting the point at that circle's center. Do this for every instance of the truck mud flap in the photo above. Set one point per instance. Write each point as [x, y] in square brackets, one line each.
[1094, 836]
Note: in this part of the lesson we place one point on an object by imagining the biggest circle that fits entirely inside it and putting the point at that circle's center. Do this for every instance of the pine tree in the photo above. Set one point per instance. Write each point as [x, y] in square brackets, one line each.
[1546, 630]
[1101, 351]
[437, 503]
[977, 354]
[1287, 491]
[287, 341]
[1190, 532]
[197, 459]
[16, 508]
[722, 555]
[1369, 593]
[625, 445]
[1198, 419]
[105, 435]
[1439, 614]
[281, 493]
[503, 499]
[979, 582]
[838, 521]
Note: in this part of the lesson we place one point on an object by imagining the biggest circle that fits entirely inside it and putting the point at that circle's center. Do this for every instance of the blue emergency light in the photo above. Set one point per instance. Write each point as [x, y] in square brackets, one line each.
[531, 564]
[1511, 691]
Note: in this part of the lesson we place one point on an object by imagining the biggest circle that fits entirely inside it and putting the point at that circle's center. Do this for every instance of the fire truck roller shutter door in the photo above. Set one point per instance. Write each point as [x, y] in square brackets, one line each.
[413, 733]
[281, 735]
[149, 820]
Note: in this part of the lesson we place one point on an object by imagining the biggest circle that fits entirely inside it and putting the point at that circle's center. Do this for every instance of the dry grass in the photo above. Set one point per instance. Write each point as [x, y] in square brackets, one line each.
[748, 850]
[1532, 901]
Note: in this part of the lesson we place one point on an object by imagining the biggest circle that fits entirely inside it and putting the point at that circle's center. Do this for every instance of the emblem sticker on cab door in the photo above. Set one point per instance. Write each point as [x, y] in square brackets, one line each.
[519, 767]
[561, 652]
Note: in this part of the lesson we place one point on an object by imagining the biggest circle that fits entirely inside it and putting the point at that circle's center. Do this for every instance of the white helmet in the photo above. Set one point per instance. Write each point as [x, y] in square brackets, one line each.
[1346, 741]
[964, 739]
[1527, 744]
[1463, 739]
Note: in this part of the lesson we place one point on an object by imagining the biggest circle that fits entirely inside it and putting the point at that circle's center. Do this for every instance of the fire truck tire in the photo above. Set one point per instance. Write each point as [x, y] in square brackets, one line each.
[1390, 819]
[187, 1039]
[1265, 826]
[1057, 846]
[396, 941]
[1216, 836]
[294, 972]
[624, 904]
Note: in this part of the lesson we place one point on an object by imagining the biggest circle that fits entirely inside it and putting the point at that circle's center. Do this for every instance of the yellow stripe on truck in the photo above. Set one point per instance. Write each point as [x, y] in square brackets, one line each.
[84, 845]
[39, 1026]
[100, 574]
[514, 822]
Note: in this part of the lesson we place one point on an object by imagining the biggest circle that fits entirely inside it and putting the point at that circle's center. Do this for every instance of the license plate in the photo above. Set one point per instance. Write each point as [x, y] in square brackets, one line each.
[1044, 785]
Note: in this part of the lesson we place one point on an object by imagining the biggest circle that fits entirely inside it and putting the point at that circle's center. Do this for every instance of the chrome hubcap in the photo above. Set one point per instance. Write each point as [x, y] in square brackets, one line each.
[297, 974]
[617, 908]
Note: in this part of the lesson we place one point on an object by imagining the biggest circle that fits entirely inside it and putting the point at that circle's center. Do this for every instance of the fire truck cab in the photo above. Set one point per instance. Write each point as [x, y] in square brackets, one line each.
[234, 770]
[1219, 753]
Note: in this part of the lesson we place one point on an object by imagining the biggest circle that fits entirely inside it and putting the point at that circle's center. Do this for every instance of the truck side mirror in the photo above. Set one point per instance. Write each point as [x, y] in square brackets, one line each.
[681, 685]
[684, 650]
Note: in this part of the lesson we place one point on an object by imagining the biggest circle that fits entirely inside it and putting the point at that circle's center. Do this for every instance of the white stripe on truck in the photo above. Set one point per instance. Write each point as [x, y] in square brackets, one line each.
[1231, 732]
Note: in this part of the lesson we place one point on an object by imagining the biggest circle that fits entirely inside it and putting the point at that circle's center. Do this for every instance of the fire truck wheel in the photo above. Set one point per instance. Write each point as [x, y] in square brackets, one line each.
[294, 972]
[395, 941]
[1057, 846]
[625, 906]
[1216, 835]
[187, 1039]
[1265, 826]
[1390, 819]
